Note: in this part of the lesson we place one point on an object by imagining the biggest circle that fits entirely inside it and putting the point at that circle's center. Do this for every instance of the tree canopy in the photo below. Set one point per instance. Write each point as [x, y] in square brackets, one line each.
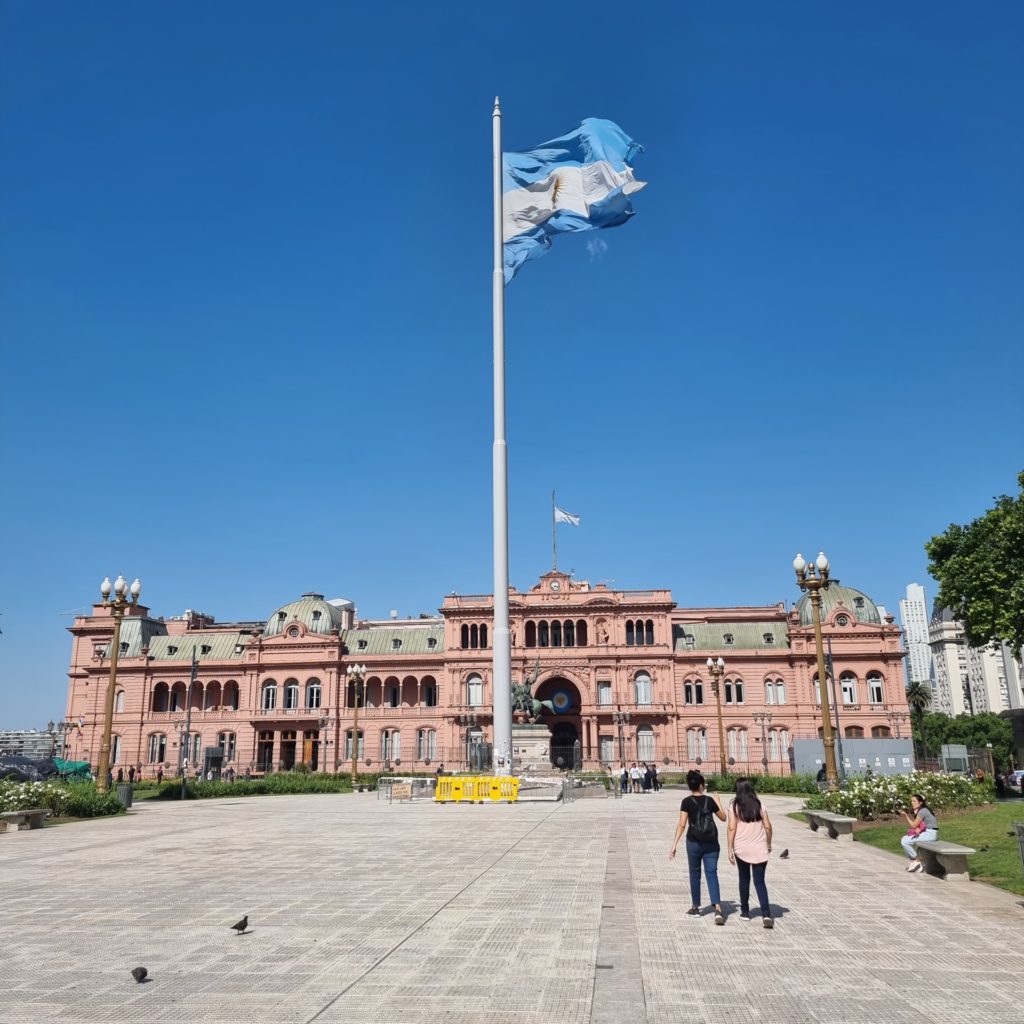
[973, 731]
[980, 571]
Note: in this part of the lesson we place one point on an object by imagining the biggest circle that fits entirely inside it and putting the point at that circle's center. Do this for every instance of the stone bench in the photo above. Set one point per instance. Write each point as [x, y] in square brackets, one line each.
[19, 820]
[837, 825]
[944, 860]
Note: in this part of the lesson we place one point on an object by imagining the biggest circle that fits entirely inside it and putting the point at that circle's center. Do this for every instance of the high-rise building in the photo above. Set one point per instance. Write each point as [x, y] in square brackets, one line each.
[914, 619]
[971, 680]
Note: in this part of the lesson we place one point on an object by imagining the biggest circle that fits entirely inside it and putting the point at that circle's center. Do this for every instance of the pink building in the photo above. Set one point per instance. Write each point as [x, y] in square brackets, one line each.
[626, 671]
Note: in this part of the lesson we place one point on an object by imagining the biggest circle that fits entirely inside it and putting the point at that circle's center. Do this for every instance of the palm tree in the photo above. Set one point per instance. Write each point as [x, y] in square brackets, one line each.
[919, 697]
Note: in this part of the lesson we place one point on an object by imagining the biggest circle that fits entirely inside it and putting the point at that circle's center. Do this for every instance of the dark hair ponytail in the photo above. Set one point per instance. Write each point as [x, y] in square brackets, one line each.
[748, 807]
[922, 802]
[694, 780]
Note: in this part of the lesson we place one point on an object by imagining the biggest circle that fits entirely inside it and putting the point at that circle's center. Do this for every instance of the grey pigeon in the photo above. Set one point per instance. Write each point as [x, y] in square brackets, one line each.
[139, 974]
[784, 854]
[242, 925]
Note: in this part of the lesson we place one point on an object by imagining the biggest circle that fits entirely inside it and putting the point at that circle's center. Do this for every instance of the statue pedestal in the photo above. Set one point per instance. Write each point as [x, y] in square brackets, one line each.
[531, 747]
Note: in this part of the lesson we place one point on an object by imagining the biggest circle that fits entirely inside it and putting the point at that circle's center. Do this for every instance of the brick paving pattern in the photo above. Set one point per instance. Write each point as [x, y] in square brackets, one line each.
[399, 914]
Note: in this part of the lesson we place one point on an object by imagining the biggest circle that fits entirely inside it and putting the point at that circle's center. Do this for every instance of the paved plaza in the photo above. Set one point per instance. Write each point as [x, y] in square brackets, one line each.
[530, 914]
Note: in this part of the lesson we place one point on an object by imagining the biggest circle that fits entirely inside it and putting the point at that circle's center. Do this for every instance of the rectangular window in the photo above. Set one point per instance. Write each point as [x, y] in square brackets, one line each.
[348, 745]
[604, 692]
[394, 697]
[606, 745]
[476, 691]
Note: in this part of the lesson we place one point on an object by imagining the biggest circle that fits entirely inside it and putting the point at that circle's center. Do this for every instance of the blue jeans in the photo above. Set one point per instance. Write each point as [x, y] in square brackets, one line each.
[758, 870]
[706, 854]
[929, 835]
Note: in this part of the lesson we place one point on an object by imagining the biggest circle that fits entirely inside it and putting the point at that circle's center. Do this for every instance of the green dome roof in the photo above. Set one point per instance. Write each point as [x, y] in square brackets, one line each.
[856, 602]
[312, 611]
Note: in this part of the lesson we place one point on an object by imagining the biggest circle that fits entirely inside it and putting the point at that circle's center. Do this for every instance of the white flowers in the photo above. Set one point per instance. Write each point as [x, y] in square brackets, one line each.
[21, 796]
[889, 794]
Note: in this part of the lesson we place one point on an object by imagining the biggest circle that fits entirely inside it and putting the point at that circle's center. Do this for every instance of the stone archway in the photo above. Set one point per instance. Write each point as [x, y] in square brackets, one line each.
[564, 721]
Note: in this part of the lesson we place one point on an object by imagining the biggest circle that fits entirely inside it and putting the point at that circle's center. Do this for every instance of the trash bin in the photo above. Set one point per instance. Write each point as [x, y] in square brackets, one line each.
[1019, 826]
[124, 794]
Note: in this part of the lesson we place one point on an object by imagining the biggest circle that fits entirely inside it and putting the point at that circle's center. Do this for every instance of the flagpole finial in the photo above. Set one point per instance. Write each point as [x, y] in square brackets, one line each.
[497, 104]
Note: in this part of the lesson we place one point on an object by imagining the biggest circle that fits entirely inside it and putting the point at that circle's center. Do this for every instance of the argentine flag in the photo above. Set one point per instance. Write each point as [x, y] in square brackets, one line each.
[579, 182]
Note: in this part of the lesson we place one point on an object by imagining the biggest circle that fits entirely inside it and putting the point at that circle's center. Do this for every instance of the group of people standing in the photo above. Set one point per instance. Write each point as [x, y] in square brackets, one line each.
[749, 839]
[639, 777]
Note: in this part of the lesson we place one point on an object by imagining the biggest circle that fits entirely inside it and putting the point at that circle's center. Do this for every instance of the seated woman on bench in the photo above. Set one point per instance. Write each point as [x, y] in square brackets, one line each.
[923, 829]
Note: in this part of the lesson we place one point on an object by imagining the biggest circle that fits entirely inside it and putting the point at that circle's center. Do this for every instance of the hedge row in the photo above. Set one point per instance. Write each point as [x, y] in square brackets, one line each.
[279, 783]
[74, 800]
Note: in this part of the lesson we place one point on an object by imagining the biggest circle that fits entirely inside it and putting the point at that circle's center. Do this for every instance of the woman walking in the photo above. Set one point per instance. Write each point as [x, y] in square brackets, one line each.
[697, 815]
[923, 828]
[750, 844]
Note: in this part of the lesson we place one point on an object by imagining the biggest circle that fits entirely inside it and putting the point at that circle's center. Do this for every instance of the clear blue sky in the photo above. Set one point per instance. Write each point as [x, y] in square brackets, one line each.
[246, 302]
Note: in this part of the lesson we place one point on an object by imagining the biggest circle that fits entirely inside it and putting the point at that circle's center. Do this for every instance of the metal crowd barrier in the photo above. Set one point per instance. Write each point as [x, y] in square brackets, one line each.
[476, 789]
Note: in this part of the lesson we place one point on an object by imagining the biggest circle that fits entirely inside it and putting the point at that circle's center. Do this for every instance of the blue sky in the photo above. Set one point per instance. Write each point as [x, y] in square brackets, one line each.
[246, 302]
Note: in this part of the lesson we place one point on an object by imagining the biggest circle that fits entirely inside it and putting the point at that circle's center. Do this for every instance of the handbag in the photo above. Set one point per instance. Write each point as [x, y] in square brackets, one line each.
[915, 830]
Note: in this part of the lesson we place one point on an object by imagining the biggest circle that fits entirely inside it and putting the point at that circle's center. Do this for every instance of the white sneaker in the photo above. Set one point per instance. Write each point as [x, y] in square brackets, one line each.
[917, 866]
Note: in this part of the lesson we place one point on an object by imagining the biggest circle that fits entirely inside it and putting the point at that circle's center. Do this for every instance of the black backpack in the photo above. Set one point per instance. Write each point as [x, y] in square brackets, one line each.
[702, 824]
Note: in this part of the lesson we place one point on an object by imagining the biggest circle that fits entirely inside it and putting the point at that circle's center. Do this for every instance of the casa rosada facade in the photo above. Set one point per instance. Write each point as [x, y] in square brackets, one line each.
[625, 672]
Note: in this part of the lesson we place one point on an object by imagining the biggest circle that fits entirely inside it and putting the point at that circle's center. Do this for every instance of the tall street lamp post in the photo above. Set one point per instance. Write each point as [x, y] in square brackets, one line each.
[355, 675]
[621, 719]
[326, 723]
[895, 719]
[123, 596]
[763, 718]
[813, 578]
[717, 668]
[469, 723]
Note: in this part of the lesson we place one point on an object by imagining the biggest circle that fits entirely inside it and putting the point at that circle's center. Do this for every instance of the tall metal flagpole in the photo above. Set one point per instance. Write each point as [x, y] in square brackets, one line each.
[554, 535]
[501, 670]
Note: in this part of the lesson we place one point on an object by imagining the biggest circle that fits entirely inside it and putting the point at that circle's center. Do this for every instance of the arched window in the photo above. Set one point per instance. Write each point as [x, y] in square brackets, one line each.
[391, 745]
[630, 635]
[231, 695]
[737, 691]
[696, 743]
[212, 697]
[556, 633]
[542, 638]
[429, 691]
[737, 743]
[348, 745]
[178, 696]
[474, 690]
[649, 631]
[569, 633]
[119, 700]
[848, 687]
[876, 688]
[816, 686]
[226, 742]
[531, 633]
[778, 744]
[769, 692]
[115, 748]
[157, 749]
[853, 732]
[645, 743]
[426, 744]
[313, 692]
[880, 732]
[464, 637]
[161, 697]
[483, 634]
[393, 698]
[268, 696]
[291, 694]
[728, 692]
[474, 636]
[780, 692]
[642, 688]
[698, 692]
[687, 693]
[581, 632]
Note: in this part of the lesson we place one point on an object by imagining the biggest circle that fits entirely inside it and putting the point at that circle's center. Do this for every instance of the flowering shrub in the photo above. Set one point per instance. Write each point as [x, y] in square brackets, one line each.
[78, 800]
[889, 794]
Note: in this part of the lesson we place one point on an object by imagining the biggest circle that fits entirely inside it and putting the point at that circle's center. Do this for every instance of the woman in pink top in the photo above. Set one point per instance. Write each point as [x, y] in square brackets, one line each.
[750, 844]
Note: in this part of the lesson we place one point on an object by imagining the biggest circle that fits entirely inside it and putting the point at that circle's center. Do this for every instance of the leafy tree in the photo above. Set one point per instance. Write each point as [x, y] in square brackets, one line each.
[974, 731]
[980, 571]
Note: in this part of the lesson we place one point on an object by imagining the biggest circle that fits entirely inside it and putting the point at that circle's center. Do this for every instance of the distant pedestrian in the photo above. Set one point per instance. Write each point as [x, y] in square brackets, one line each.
[624, 777]
[439, 771]
[131, 774]
[697, 815]
[648, 784]
[750, 845]
[655, 781]
[924, 828]
[634, 777]
[120, 775]
[159, 775]
[822, 775]
[110, 779]
[1000, 785]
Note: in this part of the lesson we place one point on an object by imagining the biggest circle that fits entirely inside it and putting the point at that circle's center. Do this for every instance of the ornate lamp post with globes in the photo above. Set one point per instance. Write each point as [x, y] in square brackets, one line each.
[717, 668]
[813, 578]
[763, 719]
[123, 596]
[355, 675]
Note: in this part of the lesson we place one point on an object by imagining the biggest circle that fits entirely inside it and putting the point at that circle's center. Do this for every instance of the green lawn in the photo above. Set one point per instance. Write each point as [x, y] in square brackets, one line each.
[998, 858]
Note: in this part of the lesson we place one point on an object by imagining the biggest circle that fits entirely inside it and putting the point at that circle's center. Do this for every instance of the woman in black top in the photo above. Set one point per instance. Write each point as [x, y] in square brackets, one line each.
[697, 815]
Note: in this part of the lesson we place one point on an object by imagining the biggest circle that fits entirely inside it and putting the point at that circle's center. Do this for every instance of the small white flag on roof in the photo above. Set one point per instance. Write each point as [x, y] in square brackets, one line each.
[561, 516]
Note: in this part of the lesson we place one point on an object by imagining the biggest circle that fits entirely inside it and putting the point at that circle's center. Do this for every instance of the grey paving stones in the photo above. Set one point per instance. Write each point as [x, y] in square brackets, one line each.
[362, 911]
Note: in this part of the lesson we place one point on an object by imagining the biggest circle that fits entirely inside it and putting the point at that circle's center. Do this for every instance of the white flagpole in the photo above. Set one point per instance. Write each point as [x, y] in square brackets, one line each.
[554, 535]
[501, 670]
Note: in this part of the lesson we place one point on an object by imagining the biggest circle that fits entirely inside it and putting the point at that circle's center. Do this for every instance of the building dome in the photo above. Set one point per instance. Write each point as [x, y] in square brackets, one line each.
[311, 611]
[856, 602]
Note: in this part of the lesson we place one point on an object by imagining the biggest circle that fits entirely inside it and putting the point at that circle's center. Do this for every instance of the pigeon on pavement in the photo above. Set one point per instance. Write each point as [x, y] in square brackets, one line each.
[139, 974]
[784, 854]
[242, 925]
